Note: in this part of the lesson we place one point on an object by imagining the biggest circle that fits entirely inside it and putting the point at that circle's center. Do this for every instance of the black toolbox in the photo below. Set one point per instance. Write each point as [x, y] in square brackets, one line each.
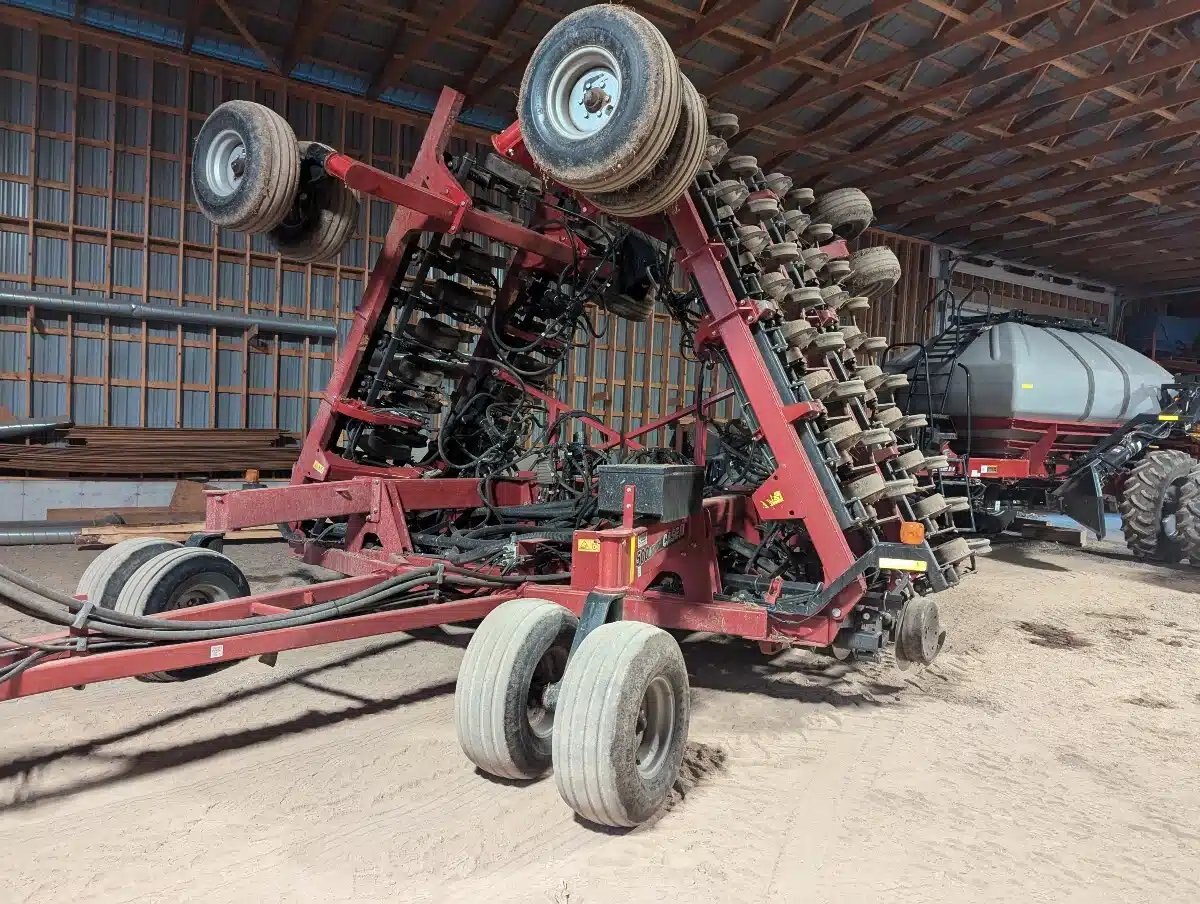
[665, 492]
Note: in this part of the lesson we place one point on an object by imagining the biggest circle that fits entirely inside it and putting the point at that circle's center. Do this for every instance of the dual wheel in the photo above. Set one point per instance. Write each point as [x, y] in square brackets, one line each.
[611, 719]
[1160, 507]
[605, 111]
[150, 576]
[250, 174]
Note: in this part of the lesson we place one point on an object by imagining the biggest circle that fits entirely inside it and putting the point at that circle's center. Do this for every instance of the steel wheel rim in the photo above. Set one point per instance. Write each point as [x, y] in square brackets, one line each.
[548, 671]
[205, 588]
[655, 726]
[583, 93]
[225, 156]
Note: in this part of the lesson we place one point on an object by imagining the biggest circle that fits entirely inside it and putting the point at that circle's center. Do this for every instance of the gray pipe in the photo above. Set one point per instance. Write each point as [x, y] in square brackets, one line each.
[38, 533]
[153, 313]
[22, 429]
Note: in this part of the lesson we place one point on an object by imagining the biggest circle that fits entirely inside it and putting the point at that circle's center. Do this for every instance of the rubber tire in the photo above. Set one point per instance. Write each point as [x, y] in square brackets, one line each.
[637, 135]
[930, 507]
[595, 740]
[490, 697]
[268, 188]
[672, 176]
[1142, 503]
[876, 271]
[844, 434]
[867, 489]
[102, 580]
[1187, 518]
[847, 210]
[150, 589]
[919, 637]
[324, 236]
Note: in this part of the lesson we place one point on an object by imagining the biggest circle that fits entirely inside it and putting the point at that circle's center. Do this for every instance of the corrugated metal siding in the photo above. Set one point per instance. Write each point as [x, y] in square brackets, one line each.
[94, 201]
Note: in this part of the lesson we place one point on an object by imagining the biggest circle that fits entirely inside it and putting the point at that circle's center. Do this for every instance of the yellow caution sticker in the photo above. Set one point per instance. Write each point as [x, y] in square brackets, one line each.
[904, 564]
[1027, 386]
[773, 500]
[319, 467]
[588, 544]
[1168, 417]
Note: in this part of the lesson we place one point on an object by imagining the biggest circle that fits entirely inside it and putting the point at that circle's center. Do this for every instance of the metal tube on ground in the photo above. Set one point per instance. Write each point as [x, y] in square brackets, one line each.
[39, 533]
[155, 313]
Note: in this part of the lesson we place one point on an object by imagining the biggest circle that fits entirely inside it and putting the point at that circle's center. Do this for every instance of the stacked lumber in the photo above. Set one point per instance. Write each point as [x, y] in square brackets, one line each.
[154, 452]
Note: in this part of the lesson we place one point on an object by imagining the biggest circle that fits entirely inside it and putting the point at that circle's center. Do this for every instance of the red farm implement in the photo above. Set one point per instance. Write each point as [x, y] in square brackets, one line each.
[447, 480]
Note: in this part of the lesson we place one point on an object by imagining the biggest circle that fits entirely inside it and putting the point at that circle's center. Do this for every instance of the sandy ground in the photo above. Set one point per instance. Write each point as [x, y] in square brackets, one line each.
[1052, 754]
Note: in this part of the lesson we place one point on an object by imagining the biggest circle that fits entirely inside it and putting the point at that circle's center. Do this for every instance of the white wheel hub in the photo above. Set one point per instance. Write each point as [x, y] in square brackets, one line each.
[225, 163]
[583, 93]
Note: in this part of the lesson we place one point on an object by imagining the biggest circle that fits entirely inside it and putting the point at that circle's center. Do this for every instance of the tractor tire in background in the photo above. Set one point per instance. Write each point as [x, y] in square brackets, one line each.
[1149, 502]
[1187, 517]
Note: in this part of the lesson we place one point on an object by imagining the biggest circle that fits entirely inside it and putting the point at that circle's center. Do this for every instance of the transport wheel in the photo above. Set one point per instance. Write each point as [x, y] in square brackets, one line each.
[920, 637]
[245, 167]
[672, 175]
[500, 713]
[621, 723]
[847, 210]
[1149, 503]
[179, 579]
[600, 99]
[103, 579]
[321, 221]
[876, 272]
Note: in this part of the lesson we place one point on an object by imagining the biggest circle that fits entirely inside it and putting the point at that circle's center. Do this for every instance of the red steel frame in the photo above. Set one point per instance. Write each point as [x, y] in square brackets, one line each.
[375, 500]
[1046, 453]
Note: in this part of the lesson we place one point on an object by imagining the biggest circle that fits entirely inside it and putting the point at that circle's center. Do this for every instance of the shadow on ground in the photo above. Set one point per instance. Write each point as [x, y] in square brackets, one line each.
[128, 766]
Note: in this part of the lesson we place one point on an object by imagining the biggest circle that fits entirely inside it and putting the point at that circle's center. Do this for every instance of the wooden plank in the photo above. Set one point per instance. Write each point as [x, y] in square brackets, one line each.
[148, 514]
[110, 535]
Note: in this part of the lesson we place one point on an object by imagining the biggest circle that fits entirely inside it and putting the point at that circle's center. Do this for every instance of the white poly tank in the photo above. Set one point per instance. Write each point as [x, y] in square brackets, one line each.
[1019, 370]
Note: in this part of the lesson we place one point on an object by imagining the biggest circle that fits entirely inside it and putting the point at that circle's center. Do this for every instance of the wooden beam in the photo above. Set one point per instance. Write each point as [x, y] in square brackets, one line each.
[191, 23]
[710, 22]
[938, 209]
[382, 75]
[923, 50]
[502, 25]
[893, 203]
[987, 114]
[1158, 14]
[258, 48]
[446, 16]
[1022, 139]
[311, 18]
[511, 70]
[1150, 183]
[792, 49]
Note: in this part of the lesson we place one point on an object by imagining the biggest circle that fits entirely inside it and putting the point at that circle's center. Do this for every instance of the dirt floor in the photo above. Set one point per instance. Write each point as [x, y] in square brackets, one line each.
[1052, 754]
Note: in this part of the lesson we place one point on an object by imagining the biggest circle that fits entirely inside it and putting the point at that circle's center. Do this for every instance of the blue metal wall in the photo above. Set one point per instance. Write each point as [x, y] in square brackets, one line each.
[95, 201]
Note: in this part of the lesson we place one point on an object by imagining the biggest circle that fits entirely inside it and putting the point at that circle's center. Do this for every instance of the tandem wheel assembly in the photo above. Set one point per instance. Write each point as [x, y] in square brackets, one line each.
[610, 719]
